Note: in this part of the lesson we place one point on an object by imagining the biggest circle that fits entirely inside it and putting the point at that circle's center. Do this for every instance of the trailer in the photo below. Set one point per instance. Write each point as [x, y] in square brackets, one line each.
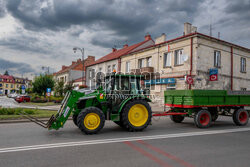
[206, 105]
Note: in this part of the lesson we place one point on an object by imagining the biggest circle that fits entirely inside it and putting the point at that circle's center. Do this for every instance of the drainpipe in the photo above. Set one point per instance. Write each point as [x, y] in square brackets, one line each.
[232, 70]
[119, 65]
[191, 59]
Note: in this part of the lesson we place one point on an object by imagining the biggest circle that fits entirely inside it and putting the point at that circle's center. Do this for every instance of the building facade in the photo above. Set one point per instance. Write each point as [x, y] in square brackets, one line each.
[192, 61]
[74, 71]
[112, 61]
[10, 84]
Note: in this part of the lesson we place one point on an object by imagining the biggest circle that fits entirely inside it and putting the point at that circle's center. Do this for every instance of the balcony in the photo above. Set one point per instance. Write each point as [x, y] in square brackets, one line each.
[143, 70]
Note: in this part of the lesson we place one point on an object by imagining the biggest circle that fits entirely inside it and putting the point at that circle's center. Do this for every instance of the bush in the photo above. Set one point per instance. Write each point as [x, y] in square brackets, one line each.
[55, 99]
[15, 111]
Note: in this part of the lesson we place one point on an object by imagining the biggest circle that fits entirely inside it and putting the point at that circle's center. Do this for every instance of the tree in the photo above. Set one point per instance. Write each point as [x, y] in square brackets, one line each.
[68, 87]
[41, 84]
[59, 88]
[6, 73]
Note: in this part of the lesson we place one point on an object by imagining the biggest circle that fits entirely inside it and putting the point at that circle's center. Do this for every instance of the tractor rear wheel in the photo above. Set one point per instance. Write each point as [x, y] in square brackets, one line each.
[240, 117]
[74, 117]
[91, 120]
[203, 119]
[177, 118]
[136, 115]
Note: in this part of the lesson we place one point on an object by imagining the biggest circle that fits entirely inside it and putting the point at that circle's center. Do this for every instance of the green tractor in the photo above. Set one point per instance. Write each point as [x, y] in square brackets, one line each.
[118, 98]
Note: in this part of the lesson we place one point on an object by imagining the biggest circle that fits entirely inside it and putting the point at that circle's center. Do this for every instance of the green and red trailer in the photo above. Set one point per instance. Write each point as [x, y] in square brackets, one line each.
[206, 105]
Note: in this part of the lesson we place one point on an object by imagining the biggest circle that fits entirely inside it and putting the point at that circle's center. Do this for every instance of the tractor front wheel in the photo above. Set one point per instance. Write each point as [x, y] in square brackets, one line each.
[74, 117]
[91, 120]
[136, 115]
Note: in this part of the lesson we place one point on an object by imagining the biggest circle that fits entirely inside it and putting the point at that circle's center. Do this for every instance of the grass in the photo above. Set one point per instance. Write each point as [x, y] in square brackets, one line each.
[33, 112]
[41, 104]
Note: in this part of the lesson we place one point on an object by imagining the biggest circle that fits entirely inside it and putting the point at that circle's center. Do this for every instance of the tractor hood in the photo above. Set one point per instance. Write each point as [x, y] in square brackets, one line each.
[86, 91]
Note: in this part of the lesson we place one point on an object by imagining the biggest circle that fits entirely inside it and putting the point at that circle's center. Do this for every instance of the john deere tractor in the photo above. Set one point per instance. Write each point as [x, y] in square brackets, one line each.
[118, 98]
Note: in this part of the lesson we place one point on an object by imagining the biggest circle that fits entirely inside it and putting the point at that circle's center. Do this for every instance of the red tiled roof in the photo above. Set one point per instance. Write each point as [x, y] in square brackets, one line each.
[76, 66]
[117, 54]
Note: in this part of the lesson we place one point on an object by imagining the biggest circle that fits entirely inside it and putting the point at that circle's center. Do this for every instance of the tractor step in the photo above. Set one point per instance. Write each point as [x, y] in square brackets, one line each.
[37, 121]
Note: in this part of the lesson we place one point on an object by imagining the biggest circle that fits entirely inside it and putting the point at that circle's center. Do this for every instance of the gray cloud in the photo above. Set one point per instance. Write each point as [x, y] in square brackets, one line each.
[15, 67]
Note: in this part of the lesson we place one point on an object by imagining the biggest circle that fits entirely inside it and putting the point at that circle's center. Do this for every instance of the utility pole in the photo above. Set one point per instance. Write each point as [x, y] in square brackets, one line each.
[82, 51]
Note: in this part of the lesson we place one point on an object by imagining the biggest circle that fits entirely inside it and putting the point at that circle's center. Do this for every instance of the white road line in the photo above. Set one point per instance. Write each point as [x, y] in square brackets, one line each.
[117, 140]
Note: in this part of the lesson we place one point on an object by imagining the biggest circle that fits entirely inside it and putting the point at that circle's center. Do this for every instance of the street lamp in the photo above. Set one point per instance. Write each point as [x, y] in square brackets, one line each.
[82, 51]
[44, 67]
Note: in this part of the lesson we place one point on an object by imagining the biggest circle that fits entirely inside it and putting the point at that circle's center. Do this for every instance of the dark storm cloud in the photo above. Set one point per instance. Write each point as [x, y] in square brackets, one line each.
[2, 9]
[124, 18]
[15, 67]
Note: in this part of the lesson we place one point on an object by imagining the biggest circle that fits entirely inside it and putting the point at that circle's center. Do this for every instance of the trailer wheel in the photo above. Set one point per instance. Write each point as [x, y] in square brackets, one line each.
[177, 118]
[136, 115]
[74, 117]
[214, 117]
[91, 120]
[240, 117]
[203, 119]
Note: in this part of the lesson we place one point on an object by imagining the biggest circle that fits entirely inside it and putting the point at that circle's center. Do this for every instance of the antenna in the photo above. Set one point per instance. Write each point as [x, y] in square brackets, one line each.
[218, 35]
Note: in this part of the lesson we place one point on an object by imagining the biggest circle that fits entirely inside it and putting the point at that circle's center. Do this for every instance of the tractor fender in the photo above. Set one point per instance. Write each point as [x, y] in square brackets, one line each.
[125, 101]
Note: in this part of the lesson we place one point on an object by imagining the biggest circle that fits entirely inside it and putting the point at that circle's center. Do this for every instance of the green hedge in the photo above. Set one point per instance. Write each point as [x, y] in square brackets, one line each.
[15, 111]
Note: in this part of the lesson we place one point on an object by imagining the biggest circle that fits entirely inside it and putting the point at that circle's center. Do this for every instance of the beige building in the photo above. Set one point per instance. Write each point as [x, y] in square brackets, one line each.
[112, 61]
[205, 62]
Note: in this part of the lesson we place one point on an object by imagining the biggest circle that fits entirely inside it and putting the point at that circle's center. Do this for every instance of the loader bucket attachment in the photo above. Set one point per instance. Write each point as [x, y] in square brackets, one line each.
[52, 119]
[37, 121]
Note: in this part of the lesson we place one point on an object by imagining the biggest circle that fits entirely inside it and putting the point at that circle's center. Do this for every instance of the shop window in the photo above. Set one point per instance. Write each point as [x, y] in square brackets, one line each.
[242, 64]
[217, 59]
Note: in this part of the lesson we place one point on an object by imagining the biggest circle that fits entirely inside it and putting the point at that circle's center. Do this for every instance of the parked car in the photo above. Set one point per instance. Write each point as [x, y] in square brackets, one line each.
[22, 98]
[12, 95]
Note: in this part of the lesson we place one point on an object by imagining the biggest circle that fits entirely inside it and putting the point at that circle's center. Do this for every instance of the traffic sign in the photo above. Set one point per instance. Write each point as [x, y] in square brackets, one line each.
[189, 79]
[213, 74]
[48, 92]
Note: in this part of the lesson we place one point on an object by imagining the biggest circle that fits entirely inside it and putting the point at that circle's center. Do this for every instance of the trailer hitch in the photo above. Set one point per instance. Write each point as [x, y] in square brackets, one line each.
[37, 121]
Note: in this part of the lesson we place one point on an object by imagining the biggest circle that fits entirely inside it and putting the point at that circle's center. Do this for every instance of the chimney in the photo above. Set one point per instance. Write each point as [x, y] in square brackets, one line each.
[64, 67]
[78, 60]
[193, 29]
[160, 39]
[147, 37]
[114, 49]
[187, 28]
[125, 46]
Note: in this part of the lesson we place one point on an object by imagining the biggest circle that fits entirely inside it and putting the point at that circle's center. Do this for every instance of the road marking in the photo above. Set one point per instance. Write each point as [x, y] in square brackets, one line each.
[118, 140]
[170, 156]
[146, 154]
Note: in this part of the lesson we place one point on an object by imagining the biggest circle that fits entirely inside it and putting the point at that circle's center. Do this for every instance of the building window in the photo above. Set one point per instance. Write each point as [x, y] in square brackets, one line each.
[242, 64]
[178, 57]
[11, 85]
[65, 79]
[1, 85]
[109, 69]
[149, 61]
[217, 59]
[100, 69]
[127, 66]
[7, 85]
[243, 89]
[140, 63]
[90, 73]
[167, 60]
[114, 67]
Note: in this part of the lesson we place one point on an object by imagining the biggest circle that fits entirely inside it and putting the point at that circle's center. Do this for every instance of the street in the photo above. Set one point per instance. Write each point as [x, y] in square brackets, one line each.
[163, 144]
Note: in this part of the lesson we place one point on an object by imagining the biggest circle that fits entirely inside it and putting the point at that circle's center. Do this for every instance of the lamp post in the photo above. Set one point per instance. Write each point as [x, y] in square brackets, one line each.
[82, 51]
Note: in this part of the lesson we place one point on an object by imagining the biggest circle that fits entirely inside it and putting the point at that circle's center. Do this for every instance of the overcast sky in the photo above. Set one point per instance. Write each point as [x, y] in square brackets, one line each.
[36, 33]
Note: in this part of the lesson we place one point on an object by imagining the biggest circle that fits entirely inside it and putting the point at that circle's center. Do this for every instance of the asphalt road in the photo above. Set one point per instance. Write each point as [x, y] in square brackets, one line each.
[163, 144]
